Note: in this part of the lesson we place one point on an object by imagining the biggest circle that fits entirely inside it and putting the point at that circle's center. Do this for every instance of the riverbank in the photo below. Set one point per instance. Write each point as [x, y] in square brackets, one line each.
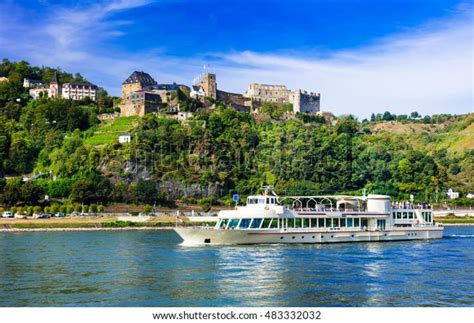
[93, 224]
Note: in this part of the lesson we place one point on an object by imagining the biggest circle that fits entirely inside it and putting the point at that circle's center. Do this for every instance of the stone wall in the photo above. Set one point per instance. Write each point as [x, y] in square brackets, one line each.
[305, 102]
[236, 100]
[268, 93]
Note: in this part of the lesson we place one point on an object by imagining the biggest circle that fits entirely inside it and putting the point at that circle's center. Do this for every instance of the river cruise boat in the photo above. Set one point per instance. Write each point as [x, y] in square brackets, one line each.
[270, 219]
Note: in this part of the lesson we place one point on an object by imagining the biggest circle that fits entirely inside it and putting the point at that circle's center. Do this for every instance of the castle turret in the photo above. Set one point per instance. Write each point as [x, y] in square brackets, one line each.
[209, 85]
[54, 87]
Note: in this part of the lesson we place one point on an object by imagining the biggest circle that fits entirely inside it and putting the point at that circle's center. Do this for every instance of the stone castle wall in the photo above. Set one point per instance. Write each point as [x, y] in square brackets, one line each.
[305, 102]
[268, 93]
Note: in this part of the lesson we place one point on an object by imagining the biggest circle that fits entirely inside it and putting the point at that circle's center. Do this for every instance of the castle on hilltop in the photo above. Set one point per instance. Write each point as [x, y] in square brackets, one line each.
[71, 90]
[141, 94]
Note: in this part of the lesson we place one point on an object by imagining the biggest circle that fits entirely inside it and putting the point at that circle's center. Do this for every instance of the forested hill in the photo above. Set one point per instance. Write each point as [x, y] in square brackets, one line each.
[71, 155]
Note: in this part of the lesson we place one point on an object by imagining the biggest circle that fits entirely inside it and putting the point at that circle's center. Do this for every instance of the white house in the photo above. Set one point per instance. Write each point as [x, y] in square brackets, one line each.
[452, 194]
[123, 138]
[470, 196]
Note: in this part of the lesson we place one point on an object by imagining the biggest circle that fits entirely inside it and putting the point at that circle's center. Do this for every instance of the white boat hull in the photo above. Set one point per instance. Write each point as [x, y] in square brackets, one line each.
[205, 235]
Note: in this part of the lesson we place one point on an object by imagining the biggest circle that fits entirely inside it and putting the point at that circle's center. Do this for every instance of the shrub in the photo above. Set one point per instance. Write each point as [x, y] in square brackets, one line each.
[85, 208]
[100, 208]
[54, 208]
[30, 210]
[64, 209]
[206, 203]
[2, 210]
[47, 209]
[93, 208]
[77, 208]
[13, 210]
[147, 209]
[37, 209]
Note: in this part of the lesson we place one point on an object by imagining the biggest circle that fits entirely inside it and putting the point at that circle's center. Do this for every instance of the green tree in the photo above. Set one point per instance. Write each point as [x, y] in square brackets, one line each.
[144, 191]
[31, 192]
[82, 190]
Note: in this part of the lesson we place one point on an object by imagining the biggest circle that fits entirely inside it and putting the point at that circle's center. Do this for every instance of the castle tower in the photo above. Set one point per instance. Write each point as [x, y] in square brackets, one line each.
[54, 87]
[137, 81]
[209, 85]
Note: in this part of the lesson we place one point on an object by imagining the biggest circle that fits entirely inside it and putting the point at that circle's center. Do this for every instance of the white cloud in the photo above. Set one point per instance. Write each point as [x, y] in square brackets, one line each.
[430, 71]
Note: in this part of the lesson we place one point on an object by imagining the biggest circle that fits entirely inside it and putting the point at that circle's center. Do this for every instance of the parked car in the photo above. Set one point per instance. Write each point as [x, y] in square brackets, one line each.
[7, 214]
[41, 216]
[75, 213]
[60, 215]
[22, 215]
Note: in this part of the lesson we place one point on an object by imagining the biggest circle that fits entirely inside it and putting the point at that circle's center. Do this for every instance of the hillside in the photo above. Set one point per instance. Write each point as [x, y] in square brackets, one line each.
[453, 135]
[73, 156]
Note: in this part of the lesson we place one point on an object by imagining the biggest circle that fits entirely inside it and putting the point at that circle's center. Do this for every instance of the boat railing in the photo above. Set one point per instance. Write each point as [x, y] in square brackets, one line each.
[411, 206]
[328, 209]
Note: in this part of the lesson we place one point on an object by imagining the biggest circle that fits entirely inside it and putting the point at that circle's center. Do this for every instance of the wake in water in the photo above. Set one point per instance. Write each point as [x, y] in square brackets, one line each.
[459, 236]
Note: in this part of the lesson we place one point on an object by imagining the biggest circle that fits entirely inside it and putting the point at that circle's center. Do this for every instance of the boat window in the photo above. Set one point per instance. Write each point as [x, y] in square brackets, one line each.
[320, 223]
[261, 201]
[314, 223]
[399, 215]
[256, 223]
[405, 215]
[291, 223]
[343, 223]
[274, 224]
[328, 223]
[357, 223]
[305, 223]
[244, 223]
[266, 223]
[349, 222]
[223, 223]
[334, 223]
[410, 215]
[297, 223]
[233, 223]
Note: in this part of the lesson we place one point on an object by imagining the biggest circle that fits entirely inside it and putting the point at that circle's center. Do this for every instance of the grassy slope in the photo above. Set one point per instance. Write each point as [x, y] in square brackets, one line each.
[109, 130]
[429, 137]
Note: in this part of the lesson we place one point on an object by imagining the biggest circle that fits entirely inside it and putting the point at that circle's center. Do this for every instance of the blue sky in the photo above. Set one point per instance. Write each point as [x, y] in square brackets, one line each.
[362, 56]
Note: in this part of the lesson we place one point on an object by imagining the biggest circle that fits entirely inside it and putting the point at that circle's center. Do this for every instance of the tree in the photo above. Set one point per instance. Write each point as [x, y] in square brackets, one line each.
[144, 191]
[37, 209]
[414, 115]
[82, 190]
[31, 192]
[101, 208]
[12, 192]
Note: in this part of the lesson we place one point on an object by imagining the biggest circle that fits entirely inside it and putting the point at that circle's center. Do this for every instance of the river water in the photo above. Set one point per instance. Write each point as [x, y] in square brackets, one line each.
[151, 268]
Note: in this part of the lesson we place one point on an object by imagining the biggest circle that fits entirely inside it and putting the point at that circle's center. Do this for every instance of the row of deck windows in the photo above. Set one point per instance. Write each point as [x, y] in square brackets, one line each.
[276, 223]
[411, 216]
[262, 200]
[404, 215]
